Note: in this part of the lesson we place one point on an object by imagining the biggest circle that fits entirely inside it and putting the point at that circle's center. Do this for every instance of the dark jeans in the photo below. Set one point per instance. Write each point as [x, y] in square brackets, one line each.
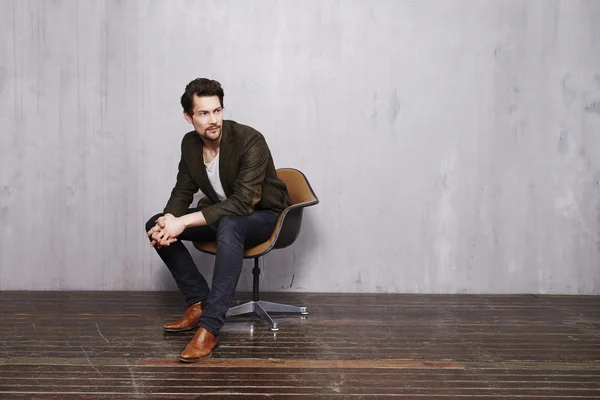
[232, 235]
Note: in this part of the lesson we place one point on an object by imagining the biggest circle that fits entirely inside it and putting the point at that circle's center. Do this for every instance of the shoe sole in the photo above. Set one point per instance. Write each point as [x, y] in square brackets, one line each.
[179, 330]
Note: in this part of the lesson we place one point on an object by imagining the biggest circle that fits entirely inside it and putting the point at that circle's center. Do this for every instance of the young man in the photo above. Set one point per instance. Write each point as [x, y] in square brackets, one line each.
[232, 165]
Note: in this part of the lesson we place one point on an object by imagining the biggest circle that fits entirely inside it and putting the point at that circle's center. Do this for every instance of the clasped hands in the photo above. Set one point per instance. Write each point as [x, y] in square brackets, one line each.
[166, 230]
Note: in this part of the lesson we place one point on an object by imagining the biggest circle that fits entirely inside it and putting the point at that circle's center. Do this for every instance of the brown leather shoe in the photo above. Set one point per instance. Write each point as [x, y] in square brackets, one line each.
[201, 346]
[189, 319]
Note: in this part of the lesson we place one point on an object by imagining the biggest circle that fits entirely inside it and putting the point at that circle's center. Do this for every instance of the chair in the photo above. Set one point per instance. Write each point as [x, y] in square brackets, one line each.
[285, 233]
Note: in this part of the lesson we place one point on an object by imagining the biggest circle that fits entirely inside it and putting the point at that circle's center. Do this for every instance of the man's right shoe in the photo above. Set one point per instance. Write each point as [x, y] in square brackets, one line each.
[201, 346]
[189, 319]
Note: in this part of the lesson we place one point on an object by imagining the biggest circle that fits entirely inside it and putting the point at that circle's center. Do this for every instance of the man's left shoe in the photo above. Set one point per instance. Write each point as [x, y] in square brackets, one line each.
[189, 319]
[201, 346]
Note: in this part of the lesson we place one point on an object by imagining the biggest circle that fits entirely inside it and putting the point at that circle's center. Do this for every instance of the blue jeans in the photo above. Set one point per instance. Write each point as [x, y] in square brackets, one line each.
[234, 233]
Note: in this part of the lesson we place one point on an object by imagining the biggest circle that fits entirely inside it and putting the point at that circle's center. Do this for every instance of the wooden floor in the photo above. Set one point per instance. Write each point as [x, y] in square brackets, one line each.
[99, 345]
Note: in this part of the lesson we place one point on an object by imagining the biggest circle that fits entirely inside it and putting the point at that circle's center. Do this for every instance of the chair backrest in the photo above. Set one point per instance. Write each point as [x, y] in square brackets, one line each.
[297, 185]
[301, 195]
[288, 225]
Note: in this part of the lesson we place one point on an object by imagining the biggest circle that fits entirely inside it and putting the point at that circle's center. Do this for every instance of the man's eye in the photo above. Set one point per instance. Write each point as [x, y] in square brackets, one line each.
[218, 111]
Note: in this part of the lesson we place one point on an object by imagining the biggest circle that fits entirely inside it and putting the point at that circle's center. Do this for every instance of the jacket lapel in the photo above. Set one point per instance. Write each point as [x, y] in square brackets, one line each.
[224, 156]
[203, 182]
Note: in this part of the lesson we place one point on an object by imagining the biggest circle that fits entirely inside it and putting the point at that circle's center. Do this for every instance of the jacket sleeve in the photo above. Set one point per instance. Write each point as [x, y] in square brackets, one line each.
[183, 192]
[247, 188]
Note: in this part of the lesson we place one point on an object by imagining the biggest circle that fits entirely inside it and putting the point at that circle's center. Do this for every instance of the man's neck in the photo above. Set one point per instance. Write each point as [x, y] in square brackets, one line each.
[212, 145]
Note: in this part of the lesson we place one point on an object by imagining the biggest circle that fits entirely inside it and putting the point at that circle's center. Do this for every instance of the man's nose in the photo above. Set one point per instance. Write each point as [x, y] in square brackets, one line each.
[213, 119]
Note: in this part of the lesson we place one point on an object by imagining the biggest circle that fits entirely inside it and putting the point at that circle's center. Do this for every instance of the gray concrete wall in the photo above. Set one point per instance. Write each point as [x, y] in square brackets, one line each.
[455, 145]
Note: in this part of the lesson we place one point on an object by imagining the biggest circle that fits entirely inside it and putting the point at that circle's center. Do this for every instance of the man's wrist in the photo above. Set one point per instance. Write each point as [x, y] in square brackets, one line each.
[185, 220]
[193, 219]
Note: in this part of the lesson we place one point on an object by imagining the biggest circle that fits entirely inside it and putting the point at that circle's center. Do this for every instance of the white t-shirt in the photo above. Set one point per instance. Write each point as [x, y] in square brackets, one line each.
[212, 170]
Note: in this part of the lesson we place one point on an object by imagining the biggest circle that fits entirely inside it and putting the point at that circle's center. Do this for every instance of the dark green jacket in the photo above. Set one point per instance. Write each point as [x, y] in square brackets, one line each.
[247, 174]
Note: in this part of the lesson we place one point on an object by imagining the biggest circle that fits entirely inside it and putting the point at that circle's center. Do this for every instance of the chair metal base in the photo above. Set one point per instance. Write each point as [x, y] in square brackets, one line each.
[263, 308]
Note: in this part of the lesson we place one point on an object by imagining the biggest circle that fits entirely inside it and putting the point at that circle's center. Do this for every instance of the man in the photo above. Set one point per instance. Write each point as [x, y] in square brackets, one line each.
[232, 165]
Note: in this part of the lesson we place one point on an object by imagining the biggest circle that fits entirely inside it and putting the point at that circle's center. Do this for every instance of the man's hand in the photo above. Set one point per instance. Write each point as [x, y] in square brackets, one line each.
[161, 220]
[165, 231]
[155, 234]
[171, 226]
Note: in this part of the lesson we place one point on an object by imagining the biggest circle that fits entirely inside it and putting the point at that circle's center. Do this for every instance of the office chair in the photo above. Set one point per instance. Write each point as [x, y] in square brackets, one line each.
[285, 233]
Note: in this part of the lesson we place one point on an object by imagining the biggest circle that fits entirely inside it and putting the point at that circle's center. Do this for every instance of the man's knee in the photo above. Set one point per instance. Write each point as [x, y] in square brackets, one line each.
[152, 221]
[230, 227]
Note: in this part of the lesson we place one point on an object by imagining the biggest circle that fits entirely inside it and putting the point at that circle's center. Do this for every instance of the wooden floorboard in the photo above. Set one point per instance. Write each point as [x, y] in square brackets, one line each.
[106, 345]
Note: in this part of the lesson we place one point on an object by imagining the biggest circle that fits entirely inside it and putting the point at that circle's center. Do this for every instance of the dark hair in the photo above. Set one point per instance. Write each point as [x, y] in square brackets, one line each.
[200, 87]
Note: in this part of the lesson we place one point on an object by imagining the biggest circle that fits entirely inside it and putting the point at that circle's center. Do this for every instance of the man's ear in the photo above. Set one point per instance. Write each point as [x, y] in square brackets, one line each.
[187, 117]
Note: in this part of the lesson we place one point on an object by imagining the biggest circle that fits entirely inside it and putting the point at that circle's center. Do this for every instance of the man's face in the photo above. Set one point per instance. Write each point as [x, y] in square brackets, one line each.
[208, 117]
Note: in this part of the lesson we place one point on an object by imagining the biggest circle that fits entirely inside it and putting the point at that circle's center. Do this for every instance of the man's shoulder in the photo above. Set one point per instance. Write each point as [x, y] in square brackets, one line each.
[242, 131]
[190, 136]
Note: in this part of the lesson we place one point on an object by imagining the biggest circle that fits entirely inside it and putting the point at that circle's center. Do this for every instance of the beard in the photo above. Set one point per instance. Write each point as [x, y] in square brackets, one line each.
[212, 138]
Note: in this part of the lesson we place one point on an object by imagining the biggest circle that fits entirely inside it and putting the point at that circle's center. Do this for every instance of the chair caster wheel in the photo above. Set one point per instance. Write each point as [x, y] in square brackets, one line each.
[274, 329]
